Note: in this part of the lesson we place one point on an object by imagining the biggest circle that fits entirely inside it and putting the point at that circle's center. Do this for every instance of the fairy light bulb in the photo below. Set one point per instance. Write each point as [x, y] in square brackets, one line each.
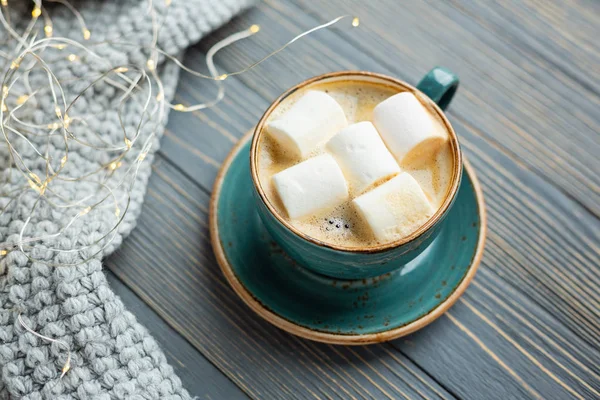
[355, 22]
[168, 2]
[42, 188]
[32, 184]
[65, 368]
[35, 178]
[81, 53]
[4, 3]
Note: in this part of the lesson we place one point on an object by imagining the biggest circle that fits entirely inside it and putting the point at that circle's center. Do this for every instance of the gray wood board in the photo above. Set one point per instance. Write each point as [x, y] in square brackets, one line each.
[527, 327]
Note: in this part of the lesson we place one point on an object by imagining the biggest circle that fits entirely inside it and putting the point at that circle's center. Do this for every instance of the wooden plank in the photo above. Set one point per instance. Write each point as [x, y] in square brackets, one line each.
[563, 33]
[562, 277]
[563, 314]
[198, 376]
[168, 262]
[528, 115]
[173, 270]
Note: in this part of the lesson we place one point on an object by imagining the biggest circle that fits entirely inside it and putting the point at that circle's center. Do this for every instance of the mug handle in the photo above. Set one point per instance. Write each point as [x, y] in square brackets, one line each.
[439, 84]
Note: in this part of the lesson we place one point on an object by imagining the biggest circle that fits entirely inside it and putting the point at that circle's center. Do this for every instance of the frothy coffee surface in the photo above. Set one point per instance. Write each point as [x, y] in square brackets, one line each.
[342, 226]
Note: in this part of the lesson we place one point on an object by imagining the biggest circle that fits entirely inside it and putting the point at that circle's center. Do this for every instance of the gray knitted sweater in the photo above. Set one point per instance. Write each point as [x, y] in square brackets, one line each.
[114, 357]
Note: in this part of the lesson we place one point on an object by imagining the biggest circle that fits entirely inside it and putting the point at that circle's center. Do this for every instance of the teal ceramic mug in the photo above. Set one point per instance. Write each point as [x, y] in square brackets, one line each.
[436, 89]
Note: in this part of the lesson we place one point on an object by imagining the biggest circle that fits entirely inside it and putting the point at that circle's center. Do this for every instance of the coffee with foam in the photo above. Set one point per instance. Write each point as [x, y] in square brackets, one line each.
[346, 224]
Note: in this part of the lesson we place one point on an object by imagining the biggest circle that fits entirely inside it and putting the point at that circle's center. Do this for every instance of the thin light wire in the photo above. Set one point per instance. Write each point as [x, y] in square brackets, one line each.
[35, 51]
[67, 365]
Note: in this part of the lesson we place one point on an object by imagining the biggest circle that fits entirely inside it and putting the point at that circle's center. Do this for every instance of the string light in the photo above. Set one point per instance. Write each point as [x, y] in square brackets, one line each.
[114, 165]
[115, 179]
[33, 47]
[67, 365]
[150, 64]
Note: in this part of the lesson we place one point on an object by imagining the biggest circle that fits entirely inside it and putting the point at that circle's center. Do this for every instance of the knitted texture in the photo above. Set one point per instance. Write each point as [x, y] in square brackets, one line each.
[113, 356]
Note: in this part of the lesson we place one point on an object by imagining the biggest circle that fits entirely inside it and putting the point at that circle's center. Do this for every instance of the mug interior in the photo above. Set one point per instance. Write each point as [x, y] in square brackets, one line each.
[359, 76]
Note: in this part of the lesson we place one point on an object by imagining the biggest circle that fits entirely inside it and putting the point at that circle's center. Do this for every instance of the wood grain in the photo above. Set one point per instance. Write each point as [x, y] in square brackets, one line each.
[551, 213]
[528, 327]
[173, 270]
[556, 138]
[558, 33]
[185, 286]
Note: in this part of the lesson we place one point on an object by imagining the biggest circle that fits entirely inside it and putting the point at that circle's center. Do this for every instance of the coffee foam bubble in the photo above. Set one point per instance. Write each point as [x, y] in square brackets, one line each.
[342, 226]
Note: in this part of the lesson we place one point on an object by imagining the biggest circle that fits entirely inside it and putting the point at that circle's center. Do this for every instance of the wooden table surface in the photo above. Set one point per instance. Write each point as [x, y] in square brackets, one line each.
[528, 116]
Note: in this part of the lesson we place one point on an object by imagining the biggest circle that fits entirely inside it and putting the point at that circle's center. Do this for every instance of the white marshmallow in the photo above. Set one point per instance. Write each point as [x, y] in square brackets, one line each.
[395, 209]
[310, 122]
[311, 187]
[362, 155]
[407, 128]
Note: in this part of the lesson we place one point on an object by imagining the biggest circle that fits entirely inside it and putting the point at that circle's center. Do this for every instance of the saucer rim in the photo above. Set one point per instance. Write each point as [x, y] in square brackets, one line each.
[338, 338]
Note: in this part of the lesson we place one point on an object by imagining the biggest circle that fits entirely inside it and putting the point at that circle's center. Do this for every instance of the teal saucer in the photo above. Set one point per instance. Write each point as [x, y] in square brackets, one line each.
[337, 311]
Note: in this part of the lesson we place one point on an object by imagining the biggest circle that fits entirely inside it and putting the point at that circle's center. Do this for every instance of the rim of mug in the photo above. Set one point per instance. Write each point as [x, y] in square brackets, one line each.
[397, 83]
